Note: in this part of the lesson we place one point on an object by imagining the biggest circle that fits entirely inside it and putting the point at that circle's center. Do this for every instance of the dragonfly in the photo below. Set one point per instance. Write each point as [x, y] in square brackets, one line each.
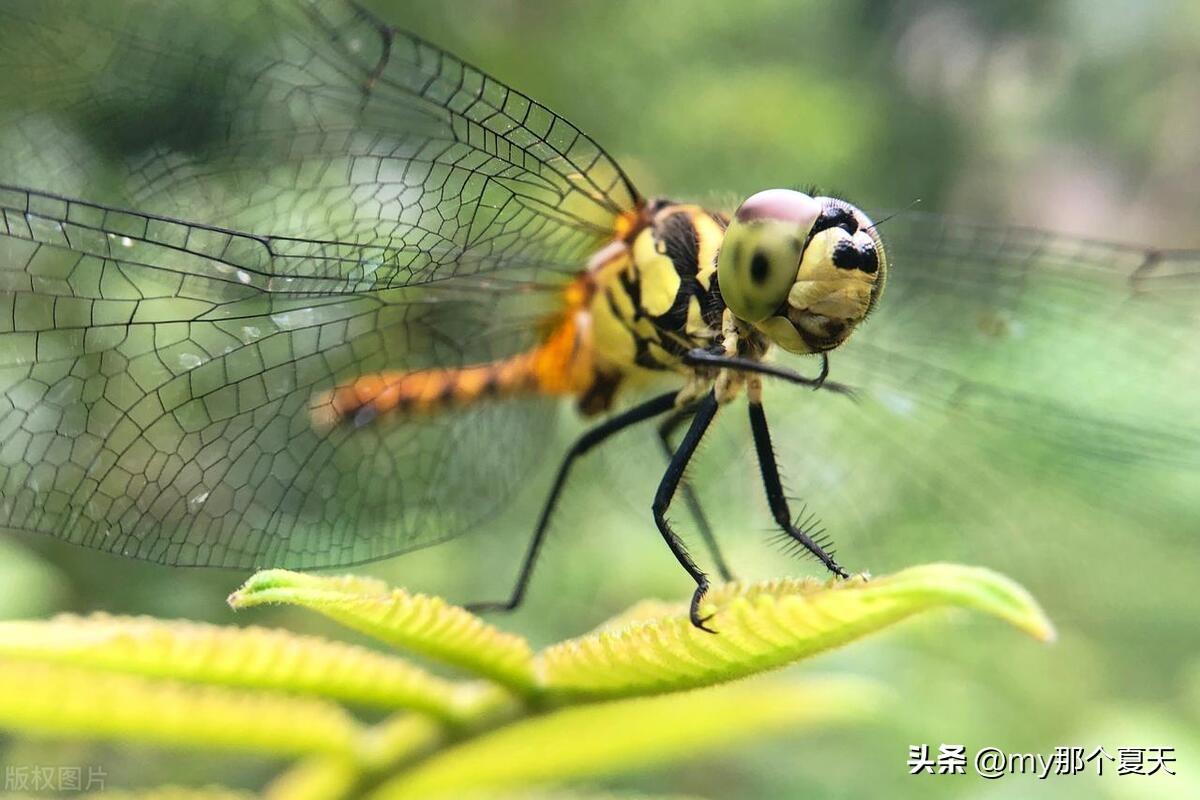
[364, 274]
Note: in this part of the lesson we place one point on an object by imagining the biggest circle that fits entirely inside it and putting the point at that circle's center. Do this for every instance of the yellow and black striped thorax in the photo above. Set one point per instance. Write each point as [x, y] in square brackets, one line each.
[659, 298]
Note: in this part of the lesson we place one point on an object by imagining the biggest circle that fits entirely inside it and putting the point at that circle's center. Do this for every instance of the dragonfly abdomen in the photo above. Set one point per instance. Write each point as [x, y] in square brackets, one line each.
[560, 365]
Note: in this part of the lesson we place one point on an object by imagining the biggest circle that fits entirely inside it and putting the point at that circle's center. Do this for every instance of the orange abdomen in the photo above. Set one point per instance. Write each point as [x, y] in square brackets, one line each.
[561, 365]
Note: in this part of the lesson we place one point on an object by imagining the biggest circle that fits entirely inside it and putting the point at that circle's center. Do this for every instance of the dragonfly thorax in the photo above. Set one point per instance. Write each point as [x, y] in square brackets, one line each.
[655, 296]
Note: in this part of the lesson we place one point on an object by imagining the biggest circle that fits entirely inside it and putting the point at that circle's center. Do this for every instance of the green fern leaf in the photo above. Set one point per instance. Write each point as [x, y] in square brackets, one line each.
[425, 625]
[404, 736]
[627, 734]
[53, 699]
[246, 657]
[315, 778]
[580, 708]
[769, 625]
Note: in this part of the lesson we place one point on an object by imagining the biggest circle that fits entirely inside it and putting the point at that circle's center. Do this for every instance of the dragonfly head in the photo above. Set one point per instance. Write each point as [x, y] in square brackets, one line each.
[802, 270]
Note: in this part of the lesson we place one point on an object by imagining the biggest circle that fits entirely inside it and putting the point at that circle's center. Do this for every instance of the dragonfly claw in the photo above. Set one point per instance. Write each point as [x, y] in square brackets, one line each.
[694, 610]
[490, 607]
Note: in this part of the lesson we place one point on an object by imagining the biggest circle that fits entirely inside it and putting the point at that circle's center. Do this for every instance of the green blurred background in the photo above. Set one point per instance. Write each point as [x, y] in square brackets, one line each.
[1080, 117]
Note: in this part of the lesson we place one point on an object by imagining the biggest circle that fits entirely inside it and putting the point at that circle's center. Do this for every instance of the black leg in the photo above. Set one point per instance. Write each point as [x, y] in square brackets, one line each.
[705, 358]
[824, 371]
[706, 409]
[774, 488]
[665, 431]
[647, 410]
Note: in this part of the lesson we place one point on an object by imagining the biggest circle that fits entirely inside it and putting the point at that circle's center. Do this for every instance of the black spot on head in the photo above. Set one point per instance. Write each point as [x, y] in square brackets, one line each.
[759, 268]
[835, 216]
[848, 255]
[868, 258]
[845, 255]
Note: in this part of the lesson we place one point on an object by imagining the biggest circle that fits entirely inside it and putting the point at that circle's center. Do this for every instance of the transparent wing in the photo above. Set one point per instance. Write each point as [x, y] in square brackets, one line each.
[157, 376]
[1018, 391]
[308, 119]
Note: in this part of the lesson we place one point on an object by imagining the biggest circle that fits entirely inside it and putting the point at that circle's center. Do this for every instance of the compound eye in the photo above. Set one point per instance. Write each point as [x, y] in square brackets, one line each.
[760, 256]
[767, 271]
[779, 205]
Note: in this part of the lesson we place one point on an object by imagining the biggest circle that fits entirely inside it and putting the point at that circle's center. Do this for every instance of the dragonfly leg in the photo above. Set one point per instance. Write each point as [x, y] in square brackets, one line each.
[706, 409]
[824, 371]
[718, 360]
[774, 489]
[665, 431]
[647, 410]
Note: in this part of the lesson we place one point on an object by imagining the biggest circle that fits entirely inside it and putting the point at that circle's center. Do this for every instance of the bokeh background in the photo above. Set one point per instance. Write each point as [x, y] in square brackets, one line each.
[1077, 116]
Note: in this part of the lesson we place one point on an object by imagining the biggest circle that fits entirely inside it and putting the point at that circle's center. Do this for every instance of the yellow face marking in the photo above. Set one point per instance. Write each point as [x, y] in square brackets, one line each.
[822, 288]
